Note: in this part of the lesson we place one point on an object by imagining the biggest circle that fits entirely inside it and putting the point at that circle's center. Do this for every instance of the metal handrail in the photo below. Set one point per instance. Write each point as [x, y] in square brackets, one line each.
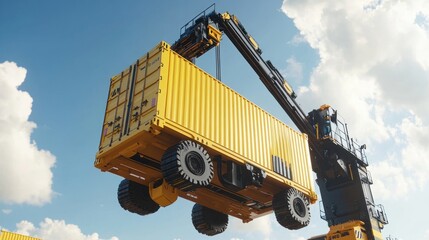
[199, 15]
[367, 178]
[341, 137]
[378, 212]
[322, 211]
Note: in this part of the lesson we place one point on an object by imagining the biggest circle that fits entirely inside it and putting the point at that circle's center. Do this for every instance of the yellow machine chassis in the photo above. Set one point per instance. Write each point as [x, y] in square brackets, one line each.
[163, 99]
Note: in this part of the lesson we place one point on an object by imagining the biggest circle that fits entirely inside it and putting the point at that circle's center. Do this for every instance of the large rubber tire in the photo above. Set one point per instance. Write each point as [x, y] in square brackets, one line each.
[135, 198]
[187, 165]
[292, 209]
[208, 221]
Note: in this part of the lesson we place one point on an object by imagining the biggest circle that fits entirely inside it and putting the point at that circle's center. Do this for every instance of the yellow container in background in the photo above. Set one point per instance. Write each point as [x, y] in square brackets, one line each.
[163, 99]
[4, 235]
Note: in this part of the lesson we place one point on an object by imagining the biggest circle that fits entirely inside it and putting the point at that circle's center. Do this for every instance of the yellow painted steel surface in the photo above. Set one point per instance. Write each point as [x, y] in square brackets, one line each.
[352, 230]
[4, 235]
[164, 98]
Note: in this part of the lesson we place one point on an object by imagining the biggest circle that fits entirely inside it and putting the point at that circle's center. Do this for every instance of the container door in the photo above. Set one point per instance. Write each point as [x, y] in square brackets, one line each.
[145, 92]
[114, 119]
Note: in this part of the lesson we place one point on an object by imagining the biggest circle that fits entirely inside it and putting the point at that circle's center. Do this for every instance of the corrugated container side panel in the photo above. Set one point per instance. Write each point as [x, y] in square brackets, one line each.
[172, 90]
[265, 136]
[298, 165]
[307, 161]
[220, 130]
[14, 236]
[226, 135]
[238, 125]
[225, 139]
[283, 147]
[243, 128]
[263, 140]
[226, 118]
[212, 106]
[180, 96]
[295, 167]
[193, 101]
[213, 111]
[199, 99]
[304, 165]
[199, 108]
[255, 136]
[231, 121]
[234, 127]
[248, 129]
[289, 154]
[201, 127]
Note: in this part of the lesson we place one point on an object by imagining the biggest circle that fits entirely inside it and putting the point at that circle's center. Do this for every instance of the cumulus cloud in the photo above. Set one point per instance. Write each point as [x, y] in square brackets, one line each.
[26, 170]
[6, 211]
[294, 70]
[300, 238]
[427, 234]
[260, 228]
[374, 68]
[297, 39]
[390, 181]
[50, 229]
[417, 137]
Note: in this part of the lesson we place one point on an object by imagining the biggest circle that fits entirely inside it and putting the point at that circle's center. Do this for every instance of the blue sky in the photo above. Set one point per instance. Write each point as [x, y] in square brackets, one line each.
[367, 59]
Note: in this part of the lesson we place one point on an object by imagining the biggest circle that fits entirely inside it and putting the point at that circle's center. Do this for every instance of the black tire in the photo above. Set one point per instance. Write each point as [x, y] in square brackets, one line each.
[292, 209]
[187, 165]
[208, 221]
[135, 198]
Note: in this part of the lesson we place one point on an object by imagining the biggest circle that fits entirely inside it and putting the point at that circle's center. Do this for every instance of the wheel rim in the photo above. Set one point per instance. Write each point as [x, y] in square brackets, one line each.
[299, 207]
[195, 163]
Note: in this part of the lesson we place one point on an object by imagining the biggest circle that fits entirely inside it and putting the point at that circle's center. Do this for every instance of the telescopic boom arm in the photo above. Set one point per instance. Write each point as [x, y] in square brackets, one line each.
[339, 162]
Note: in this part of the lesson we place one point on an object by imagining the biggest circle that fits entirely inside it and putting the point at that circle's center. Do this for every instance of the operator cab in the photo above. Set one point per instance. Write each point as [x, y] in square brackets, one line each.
[321, 119]
[331, 131]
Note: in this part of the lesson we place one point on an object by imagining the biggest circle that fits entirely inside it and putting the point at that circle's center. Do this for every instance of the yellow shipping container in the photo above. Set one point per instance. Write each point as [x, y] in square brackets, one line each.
[4, 235]
[164, 99]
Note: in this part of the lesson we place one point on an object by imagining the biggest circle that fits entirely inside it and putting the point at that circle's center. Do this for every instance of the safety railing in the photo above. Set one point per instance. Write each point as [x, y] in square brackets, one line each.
[322, 211]
[367, 177]
[341, 136]
[192, 22]
[377, 212]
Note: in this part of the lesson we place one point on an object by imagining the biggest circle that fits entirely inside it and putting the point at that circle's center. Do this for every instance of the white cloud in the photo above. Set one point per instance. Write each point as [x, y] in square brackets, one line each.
[26, 170]
[415, 153]
[293, 70]
[297, 39]
[427, 234]
[374, 68]
[56, 230]
[390, 179]
[300, 238]
[6, 211]
[260, 228]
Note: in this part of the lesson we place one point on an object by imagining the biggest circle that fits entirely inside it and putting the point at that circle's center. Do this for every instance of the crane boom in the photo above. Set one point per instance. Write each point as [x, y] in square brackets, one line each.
[338, 161]
[194, 42]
